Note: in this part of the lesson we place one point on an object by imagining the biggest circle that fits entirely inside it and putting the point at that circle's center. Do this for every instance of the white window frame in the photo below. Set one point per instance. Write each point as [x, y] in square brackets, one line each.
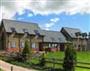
[33, 45]
[53, 45]
[49, 45]
[13, 44]
[22, 44]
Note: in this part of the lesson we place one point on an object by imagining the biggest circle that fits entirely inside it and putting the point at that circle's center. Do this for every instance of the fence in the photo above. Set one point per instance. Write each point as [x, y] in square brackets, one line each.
[55, 61]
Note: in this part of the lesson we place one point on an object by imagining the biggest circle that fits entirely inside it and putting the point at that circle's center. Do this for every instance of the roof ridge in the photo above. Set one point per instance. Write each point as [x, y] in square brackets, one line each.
[71, 28]
[20, 21]
[51, 31]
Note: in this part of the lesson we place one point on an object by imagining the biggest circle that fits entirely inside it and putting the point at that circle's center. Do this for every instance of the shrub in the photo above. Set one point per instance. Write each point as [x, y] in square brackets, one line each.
[26, 51]
[70, 58]
[14, 57]
[42, 60]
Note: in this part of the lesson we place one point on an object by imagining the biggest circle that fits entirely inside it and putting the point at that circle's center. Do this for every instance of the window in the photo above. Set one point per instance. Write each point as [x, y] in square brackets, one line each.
[49, 45]
[22, 44]
[13, 29]
[33, 45]
[25, 30]
[37, 33]
[13, 44]
[53, 45]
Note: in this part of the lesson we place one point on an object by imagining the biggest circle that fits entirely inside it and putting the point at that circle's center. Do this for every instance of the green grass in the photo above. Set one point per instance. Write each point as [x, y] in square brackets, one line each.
[57, 55]
[1, 69]
[82, 69]
[81, 56]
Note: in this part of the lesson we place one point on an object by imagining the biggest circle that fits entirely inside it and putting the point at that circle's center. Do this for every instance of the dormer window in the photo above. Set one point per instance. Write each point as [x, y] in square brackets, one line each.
[25, 30]
[37, 33]
[13, 29]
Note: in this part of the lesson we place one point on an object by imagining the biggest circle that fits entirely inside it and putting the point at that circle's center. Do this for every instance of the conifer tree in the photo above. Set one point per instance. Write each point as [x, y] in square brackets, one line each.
[26, 51]
[69, 59]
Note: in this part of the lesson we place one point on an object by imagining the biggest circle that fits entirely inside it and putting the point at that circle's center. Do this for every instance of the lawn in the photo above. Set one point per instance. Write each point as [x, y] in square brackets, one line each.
[81, 56]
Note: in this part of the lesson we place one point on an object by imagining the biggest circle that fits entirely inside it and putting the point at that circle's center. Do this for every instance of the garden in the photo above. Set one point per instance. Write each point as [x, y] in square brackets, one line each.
[51, 61]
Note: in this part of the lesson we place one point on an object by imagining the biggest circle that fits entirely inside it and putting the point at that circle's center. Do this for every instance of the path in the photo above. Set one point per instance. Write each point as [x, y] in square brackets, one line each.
[7, 67]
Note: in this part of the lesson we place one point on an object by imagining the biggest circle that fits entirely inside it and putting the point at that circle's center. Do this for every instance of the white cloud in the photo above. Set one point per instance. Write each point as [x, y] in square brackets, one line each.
[54, 19]
[48, 25]
[30, 15]
[51, 23]
[21, 12]
[43, 7]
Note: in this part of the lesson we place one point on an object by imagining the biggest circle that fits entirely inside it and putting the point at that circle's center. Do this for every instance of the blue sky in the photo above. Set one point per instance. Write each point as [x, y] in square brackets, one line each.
[49, 14]
[81, 21]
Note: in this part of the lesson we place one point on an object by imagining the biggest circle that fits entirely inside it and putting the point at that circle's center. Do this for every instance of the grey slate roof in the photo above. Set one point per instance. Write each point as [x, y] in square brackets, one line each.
[71, 31]
[49, 36]
[53, 36]
[19, 26]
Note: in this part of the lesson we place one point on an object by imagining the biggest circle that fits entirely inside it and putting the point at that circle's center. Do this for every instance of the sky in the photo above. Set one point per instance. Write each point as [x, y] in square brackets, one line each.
[49, 14]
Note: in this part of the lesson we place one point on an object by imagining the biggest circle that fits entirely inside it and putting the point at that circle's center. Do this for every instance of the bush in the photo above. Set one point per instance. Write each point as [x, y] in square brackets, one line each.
[14, 57]
[20, 56]
[26, 51]
[42, 60]
[70, 58]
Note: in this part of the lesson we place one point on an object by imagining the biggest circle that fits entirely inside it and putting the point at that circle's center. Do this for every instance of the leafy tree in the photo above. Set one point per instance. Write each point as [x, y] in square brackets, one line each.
[26, 51]
[70, 58]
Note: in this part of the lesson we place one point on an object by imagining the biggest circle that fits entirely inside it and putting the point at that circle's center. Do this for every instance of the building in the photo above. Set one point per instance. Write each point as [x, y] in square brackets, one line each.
[54, 40]
[79, 42]
[88, 44]
[13, 35]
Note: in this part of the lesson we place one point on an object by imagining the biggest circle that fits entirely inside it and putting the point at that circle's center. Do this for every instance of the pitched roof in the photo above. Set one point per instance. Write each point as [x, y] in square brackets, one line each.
[32, 28]
[71, 31]
[53, 36]
[20, 26]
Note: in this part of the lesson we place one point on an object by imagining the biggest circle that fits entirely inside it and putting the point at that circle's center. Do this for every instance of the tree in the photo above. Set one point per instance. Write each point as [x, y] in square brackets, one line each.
[26, 51]
[69, 59]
